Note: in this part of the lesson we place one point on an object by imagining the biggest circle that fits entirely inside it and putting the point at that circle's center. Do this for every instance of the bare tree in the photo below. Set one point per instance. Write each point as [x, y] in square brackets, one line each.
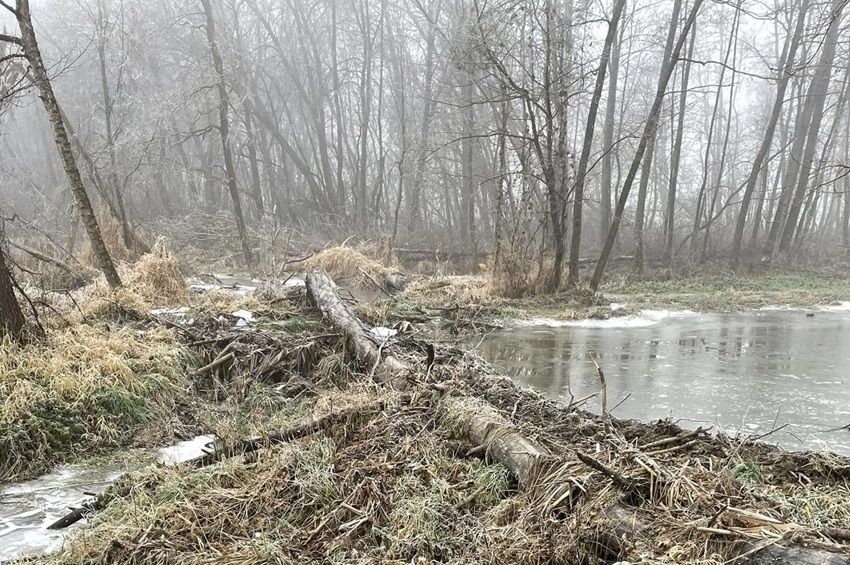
[578, 191]
[651, 125]
[224, 131]
[38, 73]
[787, 69]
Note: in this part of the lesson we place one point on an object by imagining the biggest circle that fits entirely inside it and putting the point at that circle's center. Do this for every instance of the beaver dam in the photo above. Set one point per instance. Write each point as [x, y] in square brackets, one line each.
[338, 442]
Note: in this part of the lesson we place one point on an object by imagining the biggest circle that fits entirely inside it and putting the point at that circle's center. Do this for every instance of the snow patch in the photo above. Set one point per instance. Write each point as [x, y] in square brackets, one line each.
[645, 319]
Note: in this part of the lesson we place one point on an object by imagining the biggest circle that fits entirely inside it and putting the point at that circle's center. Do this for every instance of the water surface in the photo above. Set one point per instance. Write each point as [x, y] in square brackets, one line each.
[27, 508]
[745, 372]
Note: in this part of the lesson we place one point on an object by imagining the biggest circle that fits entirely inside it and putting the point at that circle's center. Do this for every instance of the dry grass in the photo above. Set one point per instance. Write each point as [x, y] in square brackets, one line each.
[157, 276]
[388, 488]
[399, 482]
[349, 263]
[87, 387]
[113, 238]
[461, 289]
[154, 281]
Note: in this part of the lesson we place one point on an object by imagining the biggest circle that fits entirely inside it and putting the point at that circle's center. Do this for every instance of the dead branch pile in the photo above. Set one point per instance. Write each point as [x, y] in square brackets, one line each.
[461, 467]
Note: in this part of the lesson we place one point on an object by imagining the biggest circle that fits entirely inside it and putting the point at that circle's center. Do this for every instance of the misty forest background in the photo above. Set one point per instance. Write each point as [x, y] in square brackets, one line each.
[539, 137]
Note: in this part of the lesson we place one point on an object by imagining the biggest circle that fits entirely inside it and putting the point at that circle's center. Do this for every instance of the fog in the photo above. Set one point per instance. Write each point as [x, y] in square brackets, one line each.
[441, 124]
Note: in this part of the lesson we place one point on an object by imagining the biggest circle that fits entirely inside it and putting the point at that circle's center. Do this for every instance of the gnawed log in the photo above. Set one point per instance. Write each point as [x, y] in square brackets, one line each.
[523, 457]
[478, 422]
[324, 293]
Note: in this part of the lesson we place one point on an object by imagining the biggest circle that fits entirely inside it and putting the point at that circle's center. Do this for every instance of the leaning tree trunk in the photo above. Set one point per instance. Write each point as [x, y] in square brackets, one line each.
[578, 195]
[649, 130]
[11, 317]
[224, 130]
[60, 135]
[787, 64]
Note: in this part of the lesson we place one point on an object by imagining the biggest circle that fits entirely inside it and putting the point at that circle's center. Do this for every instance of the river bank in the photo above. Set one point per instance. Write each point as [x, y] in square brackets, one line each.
[330, 448]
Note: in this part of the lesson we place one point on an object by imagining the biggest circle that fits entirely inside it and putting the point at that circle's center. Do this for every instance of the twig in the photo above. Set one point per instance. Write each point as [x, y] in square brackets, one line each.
[603, 395]
[672, 449]
[220, 360]
[616, 477]
[673, 439]
[374, 282]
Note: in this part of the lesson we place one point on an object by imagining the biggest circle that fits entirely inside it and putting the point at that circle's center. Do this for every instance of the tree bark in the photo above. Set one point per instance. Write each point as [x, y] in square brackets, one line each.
[12, 321]
[224, 130]
[41, 80]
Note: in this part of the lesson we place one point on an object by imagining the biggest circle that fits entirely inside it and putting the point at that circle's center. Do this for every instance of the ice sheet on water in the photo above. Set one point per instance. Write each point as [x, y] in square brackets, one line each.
[644, 319]
[27, 508]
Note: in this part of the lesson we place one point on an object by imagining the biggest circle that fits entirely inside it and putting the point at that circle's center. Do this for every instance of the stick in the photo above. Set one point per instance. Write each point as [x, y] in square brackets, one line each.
[603, 394]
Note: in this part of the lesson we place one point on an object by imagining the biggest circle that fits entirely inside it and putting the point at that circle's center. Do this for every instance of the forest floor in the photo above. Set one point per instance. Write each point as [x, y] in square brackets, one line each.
[341, 467]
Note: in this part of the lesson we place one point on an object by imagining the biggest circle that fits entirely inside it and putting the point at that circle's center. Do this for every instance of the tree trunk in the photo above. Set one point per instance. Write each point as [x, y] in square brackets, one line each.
[651, 124]
[108, 105]
[11, 318]
[224, 130]
[670, 210]
[646, 167]
[414, 210]
[365, 117]
[608, 137]
[63, 144]
[578, 193]
[787, 65]
[817, 97]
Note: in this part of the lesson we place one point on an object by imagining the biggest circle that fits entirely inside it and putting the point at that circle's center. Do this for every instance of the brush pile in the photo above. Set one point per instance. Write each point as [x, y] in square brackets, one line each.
[415, 453]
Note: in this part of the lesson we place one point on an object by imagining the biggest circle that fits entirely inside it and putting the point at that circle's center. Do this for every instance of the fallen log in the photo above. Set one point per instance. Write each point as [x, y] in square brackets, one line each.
[242, 447]
[46, 258]
[778, 554]
[486, 429]
[521, 456]
[325, 295]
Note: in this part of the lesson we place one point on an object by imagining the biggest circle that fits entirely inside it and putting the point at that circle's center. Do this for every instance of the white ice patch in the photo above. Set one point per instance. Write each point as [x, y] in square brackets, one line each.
[184, 450]
[383, 332]
[176, 312]
[245, 318]
[644, 319]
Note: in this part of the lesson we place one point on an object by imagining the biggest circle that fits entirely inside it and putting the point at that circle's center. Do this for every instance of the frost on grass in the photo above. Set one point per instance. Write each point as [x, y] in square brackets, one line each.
[83, 388]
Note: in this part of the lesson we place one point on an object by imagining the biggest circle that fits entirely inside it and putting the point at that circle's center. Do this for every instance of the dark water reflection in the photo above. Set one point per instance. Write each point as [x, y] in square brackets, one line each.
[744, 372]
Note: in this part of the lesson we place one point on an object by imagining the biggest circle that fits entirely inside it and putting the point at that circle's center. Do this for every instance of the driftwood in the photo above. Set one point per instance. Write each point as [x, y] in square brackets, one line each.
[505, 443]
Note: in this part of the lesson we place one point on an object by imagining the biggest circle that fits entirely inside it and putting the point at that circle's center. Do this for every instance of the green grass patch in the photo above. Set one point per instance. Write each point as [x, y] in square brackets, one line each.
[83, 389]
